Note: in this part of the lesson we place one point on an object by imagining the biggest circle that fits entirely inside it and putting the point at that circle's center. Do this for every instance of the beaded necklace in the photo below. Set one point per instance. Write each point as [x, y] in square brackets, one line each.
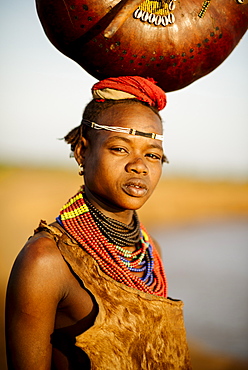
[122, 235]
[117, 232]
[114, 260]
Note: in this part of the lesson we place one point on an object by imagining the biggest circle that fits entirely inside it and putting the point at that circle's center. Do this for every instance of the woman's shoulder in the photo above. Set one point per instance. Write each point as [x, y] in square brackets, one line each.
[40, 258]
[40, 246]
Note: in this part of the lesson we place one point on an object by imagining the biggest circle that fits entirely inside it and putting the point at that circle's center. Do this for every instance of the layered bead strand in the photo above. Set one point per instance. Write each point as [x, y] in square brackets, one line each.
[78, 221]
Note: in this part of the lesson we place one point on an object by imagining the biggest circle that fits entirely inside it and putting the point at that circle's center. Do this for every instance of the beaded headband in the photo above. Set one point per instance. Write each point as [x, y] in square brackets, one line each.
[124, 130]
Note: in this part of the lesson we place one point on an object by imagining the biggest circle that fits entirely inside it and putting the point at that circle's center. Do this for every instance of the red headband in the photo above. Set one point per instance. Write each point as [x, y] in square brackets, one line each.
[143, 89]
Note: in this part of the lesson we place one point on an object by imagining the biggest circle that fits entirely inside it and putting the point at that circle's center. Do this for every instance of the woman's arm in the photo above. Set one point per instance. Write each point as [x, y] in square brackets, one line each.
[34, 291]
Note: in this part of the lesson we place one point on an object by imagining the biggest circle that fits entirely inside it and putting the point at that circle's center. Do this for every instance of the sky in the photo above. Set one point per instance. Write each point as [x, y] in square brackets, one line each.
[43, 94]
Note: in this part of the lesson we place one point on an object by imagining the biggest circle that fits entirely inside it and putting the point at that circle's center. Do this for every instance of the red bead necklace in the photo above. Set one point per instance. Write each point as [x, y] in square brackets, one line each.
[79, 223]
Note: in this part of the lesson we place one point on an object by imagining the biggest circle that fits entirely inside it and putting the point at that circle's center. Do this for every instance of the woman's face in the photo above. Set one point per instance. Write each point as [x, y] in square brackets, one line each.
[122, 170]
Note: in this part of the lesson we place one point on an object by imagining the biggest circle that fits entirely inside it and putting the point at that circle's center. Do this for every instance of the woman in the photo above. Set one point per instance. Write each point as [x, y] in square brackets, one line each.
[89, 291]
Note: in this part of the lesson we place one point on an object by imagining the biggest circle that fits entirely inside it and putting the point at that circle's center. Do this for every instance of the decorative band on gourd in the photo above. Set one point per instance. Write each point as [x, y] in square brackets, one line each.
[158, 13]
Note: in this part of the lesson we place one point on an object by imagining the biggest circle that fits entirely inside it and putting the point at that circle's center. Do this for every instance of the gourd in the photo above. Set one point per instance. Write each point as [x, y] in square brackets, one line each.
[173, 41]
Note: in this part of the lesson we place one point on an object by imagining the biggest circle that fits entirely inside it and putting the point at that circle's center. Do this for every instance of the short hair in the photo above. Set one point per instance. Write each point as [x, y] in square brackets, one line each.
[92, 112]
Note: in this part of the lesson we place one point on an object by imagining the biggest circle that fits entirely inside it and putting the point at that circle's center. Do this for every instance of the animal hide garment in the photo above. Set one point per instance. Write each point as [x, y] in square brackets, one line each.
[133, 330]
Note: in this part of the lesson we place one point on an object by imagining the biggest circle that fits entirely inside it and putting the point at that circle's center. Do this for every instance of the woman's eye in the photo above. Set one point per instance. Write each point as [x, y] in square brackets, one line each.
[154, 156]
[118, 150]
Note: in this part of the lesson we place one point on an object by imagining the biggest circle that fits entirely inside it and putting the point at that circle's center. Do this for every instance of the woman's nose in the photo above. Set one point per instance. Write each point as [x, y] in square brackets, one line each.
[138, 166]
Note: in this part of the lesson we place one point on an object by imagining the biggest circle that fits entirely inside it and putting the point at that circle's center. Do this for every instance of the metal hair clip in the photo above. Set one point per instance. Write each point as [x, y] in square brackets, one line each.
[124, 130]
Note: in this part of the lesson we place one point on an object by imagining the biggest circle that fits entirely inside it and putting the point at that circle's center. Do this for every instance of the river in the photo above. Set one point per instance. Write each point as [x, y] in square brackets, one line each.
[207, 267]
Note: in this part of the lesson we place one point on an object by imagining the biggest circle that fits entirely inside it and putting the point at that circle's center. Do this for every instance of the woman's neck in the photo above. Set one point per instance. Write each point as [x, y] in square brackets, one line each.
[109, 210]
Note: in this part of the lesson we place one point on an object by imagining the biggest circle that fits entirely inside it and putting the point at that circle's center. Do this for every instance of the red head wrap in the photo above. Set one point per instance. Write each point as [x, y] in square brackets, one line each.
[143, 89]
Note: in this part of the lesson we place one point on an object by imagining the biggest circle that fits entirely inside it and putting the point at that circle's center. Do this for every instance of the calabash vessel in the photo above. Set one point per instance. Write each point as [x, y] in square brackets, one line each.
[173, 41]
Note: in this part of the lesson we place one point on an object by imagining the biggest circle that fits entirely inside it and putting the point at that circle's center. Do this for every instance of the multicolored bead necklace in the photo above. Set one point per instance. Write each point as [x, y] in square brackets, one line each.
[122, 235]
[117, 262]
[117, 232]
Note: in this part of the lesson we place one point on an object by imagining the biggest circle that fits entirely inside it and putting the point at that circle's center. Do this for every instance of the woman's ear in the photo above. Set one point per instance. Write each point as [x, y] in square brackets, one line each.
[79, 151]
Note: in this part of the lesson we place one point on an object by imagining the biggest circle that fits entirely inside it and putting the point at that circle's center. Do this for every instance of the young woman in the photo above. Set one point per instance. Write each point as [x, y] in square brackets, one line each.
[89, 291]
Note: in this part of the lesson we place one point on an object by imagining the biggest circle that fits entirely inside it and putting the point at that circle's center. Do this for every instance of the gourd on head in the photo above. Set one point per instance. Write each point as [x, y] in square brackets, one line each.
[106, 39]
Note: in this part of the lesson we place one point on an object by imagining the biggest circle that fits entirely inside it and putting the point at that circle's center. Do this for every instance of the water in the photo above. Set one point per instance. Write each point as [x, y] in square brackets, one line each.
[207, 267]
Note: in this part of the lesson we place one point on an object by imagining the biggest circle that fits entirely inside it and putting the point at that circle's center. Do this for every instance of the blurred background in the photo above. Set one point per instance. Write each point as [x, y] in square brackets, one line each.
[199, 213]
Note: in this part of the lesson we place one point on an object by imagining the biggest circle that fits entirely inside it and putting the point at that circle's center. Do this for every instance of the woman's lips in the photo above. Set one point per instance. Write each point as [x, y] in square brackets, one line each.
[135, 188]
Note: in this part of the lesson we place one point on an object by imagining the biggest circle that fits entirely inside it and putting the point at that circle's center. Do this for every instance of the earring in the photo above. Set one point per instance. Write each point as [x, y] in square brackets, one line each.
[80, 169]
